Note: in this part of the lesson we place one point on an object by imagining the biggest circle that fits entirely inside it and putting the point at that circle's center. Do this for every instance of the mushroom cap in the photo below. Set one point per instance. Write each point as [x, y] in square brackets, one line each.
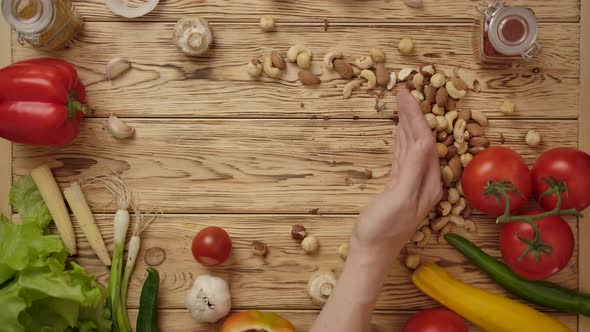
[193, 36]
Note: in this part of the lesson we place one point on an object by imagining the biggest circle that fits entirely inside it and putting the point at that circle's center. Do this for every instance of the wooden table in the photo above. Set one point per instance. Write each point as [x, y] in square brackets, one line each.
[214, 147]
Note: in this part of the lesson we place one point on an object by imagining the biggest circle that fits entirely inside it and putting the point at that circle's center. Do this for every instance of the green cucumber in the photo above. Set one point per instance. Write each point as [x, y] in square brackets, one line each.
[147, 319]
[541, 293]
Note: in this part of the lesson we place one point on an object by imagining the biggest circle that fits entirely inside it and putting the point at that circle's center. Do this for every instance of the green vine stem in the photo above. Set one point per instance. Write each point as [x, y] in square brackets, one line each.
[500, 190]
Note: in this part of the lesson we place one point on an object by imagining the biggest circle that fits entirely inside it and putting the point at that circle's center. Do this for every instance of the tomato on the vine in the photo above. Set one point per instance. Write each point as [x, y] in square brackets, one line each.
[544, 259]
[496, 163]
[211, 246]
[435, 320]
[568, 165]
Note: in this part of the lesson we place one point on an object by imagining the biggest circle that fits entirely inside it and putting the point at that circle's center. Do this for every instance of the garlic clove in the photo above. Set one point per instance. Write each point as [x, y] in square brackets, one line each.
[116, 67]
[118, 128]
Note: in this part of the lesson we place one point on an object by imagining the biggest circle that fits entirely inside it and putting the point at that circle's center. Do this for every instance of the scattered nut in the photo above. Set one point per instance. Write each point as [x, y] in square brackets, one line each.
[343, 251]
[459, 207]
[278, 61]
[308, 78]
[441, 136]
[404, 74]
[382, 74]
[430, 94]
[427, 233]
[465, 115]
[295, 50]
[431, 120]
[344, 68]
[365, 62]
[470, 225]
[310, 245]
[259, 248]
[456, 167]
[267, 23]
[457, 220]
[454, 92]
[418, 95]
[349, 87]
[466, 158]
[406, 46]
[304, 60]
[444, 208]
[254, 68]
[459, 130]
[418, 236]
[507, 107]
[437, 110]
[451, 117]
[370, 77]
[439, 223]
[451, 104]
[392, 80]
[480, 118]
[268, 67]
[449, 140]
[475, 129]
[442, 150]
[428, 70]
[533, 138]
[377, 54]
[453, 151]
[441, 97]
[330, 57]
[298, 232]
[441, 123]
[454, 195]
[479, 141]
[425, 107]
[445, 230]
[438, 80]
[412, 261]
[418, 81]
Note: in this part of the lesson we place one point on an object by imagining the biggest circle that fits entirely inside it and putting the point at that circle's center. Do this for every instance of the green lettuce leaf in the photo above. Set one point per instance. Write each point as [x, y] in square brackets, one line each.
[27, 200]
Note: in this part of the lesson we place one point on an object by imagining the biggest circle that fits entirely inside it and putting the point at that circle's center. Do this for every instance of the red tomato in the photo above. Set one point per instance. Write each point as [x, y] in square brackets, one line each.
[211, 246]
[564, 164]
[496, 163]
[435, 320]
[554, 232]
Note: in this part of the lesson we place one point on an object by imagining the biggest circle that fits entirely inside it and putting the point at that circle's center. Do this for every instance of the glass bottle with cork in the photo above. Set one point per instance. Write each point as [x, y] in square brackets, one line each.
[505, 33]
[45, 24]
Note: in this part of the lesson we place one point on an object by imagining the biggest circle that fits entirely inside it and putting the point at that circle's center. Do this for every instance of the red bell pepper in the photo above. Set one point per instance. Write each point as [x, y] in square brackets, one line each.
[41, 102]
[256, 321]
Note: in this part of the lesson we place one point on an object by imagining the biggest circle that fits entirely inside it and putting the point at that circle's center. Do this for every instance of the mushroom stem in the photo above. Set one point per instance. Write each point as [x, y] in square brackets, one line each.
[195, 40]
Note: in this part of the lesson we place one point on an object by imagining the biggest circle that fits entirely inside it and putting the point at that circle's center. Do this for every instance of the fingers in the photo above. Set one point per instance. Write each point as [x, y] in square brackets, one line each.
[410, 115]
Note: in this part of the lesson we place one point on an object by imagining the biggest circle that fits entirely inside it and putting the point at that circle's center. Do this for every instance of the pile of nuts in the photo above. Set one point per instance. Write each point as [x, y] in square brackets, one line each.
[273, 64]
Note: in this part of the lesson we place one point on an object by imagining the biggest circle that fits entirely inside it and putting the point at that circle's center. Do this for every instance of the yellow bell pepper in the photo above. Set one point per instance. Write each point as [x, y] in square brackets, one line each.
[489, 311]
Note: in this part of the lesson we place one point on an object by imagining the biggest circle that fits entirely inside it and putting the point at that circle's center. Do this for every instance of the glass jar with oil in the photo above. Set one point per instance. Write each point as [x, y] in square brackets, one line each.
[45, 24]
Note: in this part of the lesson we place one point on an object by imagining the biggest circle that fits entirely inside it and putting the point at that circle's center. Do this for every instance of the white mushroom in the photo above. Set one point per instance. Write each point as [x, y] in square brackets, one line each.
[193, 36]
[320, 286]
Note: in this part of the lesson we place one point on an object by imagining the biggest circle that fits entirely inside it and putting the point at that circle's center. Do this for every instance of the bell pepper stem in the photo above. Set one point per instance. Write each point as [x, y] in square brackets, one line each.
[74, 106]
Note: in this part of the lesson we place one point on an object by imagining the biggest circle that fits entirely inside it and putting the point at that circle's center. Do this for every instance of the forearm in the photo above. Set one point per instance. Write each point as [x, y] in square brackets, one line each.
[351, 304]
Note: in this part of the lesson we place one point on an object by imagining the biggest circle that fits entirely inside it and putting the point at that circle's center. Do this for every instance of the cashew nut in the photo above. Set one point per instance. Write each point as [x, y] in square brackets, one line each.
[254, 68]
[453, 196]
[330, 57]
[418, 95]
[459, 131]
[480, 118]
[437, 110]
[444, 208]
[451, 117]
[269, 70]
[441, 123]
[461, 147]
[431, 120]
[454, 92]
[370, 77]
[412, 261]
[470, 225]
[418, 236]
[439, 223]
[364, 62]
[465, 158]
[447, 176]
[459, 207]
[294, 51]
[349, 87]
[533, 138]
[457, 220]
[404, 74]
[418, 81]
[392, 80]
[446, 230]
[427, 233]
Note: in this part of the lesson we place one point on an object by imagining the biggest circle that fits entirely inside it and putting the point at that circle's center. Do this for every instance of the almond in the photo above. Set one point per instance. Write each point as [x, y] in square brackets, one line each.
[308, 78]
[442, 97]
[425, 107]
[476, 150]
[451, 105]
[464, 114]
[382, 74]
[278, 61]
[479, 141]
[456, 167]
[343, 68]
[430, 94]
[475, 129]
[459, 83]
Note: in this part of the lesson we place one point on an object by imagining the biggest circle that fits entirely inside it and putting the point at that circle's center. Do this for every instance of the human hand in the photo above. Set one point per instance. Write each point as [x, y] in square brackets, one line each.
[414, 187]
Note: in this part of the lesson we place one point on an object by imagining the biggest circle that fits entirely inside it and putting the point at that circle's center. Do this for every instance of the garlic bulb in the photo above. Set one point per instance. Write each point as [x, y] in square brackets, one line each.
[320, 286]
[118, 128]
[193, 36]
[209, 299]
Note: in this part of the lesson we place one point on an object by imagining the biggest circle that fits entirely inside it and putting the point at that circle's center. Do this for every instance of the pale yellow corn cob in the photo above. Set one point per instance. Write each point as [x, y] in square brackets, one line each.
[81, 210]
[56, 205]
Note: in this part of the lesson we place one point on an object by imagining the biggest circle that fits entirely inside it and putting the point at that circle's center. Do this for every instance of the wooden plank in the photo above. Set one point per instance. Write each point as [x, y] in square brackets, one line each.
[584, 132]
[218, 86]
[251, 166]
[279, 280]
[178, 320]
[5, 146]
[369, 11]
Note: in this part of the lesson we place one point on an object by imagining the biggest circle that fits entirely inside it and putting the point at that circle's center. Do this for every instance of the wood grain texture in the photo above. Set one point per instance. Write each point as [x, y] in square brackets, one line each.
[5, 146]
[165, 83]
[279, 280]
[172, 320]
[369, 11]
[250, 166]
[584, 132]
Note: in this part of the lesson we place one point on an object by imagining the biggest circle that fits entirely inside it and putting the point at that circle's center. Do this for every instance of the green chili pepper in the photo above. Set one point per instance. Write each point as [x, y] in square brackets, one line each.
[541, 293]
[147, 319]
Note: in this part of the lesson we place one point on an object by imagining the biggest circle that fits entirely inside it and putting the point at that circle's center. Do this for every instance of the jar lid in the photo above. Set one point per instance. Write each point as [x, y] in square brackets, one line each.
[39, 17]
[513, 31]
